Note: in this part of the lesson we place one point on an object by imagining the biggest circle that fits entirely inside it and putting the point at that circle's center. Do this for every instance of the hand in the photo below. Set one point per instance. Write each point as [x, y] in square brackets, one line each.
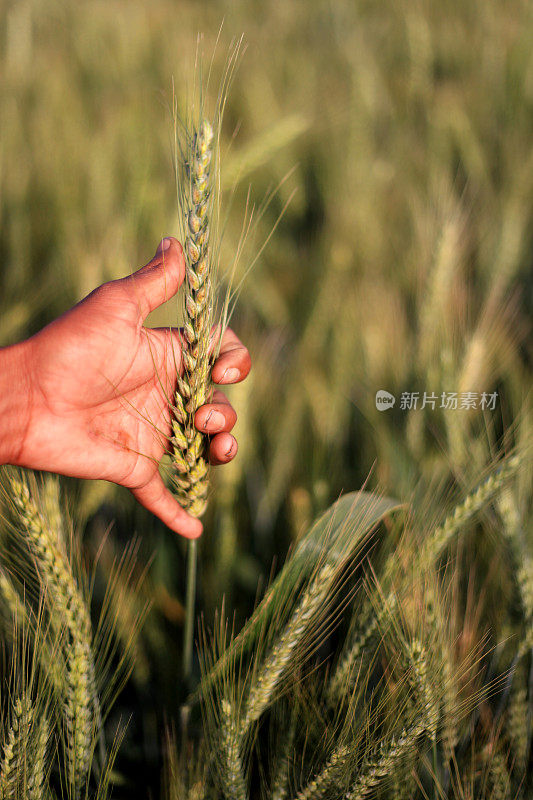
[101, 383]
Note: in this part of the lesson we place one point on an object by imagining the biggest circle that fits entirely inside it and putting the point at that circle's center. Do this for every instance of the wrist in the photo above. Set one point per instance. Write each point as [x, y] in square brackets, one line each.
[15, 401]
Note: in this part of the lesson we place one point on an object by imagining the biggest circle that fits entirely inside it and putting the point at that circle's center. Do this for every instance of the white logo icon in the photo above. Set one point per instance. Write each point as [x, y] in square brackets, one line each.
[384, 400]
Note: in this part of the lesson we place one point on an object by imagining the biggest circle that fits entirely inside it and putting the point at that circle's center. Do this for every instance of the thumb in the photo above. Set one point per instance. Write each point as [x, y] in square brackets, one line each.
[160, 279]
[160, 501]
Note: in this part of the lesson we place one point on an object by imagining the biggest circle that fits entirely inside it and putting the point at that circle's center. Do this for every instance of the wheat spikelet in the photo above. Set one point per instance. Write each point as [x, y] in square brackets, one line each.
[52, 506]
[276, 663]
[329, 777]
[442, 662]
[189, 457]
[231, 773]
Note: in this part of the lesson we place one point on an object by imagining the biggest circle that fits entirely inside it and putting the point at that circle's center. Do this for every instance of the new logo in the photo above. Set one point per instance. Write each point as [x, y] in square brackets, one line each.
[384, 400]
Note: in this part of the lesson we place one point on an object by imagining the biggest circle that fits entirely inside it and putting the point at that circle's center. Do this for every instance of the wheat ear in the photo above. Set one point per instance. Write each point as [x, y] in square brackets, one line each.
[232, 772]
[265, 682]
[517, 718]
[280, 782]
[393, 753]
[431, 549]
[358, 647]
[189, 457]
[14, 766]
[466, 510]
[386, 761]
[69, 614]
[36, 777]
[329, 777]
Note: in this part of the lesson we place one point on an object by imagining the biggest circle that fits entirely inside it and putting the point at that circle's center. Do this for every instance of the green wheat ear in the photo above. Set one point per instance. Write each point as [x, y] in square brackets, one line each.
[189, 445]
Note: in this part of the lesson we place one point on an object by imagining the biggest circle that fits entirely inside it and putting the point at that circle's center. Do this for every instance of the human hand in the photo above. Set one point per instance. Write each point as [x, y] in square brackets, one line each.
[100, 385]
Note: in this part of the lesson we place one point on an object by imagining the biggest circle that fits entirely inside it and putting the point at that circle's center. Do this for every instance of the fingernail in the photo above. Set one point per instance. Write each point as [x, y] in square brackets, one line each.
[215, 420]
[230, 375]
[230, 451]
[163, 245]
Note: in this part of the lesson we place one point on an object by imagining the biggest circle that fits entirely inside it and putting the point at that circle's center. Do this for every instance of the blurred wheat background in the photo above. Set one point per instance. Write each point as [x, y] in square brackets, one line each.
[402, 263]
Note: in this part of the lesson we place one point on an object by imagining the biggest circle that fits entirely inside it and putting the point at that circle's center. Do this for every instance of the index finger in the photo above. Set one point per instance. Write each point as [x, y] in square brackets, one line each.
[233, 363]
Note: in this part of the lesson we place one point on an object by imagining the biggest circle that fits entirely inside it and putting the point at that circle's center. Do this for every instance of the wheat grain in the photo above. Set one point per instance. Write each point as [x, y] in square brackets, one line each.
[52, 564]
[522, 562]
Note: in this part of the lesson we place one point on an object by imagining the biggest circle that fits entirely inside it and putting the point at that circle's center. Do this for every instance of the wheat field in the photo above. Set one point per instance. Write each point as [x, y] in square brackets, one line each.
[380, 645]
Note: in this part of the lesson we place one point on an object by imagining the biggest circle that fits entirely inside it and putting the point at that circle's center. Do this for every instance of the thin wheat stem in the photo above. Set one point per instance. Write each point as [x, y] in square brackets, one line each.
[192, 558]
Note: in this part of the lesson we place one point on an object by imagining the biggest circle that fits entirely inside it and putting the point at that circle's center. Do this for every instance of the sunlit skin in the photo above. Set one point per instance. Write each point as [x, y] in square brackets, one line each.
[88, 396]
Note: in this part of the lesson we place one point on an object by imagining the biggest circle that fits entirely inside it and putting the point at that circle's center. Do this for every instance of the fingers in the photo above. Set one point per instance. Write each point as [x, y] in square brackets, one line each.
[160, 279]
[160, 501]
[233, 363]
[222, 448]
[217, 416]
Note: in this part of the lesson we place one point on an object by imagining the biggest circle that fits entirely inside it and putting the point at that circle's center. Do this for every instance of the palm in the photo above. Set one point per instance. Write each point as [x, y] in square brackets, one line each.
[116, 380]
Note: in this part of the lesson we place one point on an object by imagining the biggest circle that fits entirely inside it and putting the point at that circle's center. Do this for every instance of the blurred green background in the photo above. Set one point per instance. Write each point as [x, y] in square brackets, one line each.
[403, 261]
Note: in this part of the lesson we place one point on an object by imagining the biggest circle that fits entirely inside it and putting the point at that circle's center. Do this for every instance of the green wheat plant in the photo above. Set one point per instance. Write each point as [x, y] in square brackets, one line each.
[66, 673]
